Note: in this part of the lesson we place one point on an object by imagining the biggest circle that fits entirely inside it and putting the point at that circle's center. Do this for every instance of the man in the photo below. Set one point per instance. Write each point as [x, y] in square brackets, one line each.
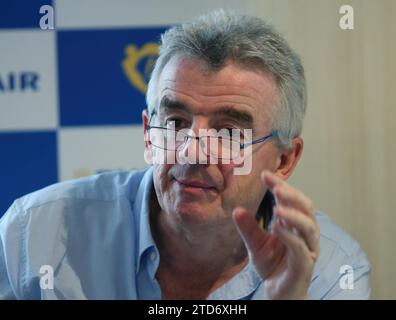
[183, 230]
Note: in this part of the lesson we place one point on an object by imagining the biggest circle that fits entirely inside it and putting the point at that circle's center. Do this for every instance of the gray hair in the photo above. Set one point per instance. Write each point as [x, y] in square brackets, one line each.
[221, 36]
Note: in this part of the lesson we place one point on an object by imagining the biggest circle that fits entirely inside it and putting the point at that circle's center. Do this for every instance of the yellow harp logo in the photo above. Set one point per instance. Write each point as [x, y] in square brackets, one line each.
[133, 57]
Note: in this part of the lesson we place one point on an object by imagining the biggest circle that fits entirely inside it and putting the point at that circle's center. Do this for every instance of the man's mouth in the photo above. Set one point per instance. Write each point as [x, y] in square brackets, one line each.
[195, 184]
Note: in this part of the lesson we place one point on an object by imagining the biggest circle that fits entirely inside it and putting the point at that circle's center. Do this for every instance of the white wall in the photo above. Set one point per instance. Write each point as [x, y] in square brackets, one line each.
[347, 166]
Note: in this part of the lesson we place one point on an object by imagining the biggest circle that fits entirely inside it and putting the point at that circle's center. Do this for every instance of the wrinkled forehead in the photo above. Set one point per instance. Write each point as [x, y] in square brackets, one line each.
[253, 90]
[179, 63]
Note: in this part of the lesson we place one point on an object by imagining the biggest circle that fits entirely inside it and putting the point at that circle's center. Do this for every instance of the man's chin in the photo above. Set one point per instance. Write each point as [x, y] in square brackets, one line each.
[192, 213]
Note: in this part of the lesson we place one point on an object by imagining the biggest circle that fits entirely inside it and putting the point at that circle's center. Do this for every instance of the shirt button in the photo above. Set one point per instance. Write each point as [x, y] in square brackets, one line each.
[153, 255]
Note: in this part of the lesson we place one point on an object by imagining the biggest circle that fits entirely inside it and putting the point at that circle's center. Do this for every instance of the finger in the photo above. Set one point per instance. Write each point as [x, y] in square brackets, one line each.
[291, 197]
[287, 195]
[304, 225]
[297, 246]
[253, 236]
[271, 180]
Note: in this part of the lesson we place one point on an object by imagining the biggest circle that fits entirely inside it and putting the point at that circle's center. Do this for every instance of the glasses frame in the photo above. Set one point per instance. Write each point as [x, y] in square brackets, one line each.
[273, 134]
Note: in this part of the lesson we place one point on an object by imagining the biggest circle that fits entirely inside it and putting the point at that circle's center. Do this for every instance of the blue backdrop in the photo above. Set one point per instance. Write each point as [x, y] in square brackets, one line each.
[55, 81]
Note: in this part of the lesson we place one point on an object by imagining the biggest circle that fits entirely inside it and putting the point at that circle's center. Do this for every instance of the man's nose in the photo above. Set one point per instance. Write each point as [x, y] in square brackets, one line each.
[192, 150]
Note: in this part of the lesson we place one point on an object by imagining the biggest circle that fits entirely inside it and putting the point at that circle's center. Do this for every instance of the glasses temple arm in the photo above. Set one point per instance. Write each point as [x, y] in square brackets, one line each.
[271, 135]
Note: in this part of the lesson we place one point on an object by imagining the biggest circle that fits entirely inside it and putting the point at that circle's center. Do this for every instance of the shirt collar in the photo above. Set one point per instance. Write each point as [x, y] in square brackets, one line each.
[241, 286]
[142, 214]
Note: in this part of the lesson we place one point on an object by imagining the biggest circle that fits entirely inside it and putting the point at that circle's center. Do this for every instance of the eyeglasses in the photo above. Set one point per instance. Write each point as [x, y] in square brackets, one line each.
[219, 145]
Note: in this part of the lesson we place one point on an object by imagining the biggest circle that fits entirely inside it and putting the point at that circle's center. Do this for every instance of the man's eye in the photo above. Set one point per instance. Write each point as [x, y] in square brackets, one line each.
[231, 130]
[177, 122]
[234, 133]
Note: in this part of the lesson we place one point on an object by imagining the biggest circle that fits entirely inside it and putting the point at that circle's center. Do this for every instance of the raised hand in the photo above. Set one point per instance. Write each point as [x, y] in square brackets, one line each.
[285, 256]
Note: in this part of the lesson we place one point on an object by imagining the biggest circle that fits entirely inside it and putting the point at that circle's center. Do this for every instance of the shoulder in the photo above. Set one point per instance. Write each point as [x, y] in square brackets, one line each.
[100, 187]
[333, 237]
[81, 202]
[66, 223]
[339, 254]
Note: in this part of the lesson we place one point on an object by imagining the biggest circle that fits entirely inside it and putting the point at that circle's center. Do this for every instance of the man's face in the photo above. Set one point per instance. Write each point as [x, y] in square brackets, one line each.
[233, 97]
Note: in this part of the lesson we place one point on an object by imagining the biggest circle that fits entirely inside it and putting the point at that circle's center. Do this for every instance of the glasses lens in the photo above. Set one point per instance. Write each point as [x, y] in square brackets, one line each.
[166, 139]
[157, 137]
[219, 146]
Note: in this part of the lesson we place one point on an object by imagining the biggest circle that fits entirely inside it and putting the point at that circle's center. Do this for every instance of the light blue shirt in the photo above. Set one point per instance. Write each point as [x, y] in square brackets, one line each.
[94, 233]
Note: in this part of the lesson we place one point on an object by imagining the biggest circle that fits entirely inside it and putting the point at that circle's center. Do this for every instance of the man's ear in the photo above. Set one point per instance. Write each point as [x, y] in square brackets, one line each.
[147, 147]
[145, 120]
[289, 159]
